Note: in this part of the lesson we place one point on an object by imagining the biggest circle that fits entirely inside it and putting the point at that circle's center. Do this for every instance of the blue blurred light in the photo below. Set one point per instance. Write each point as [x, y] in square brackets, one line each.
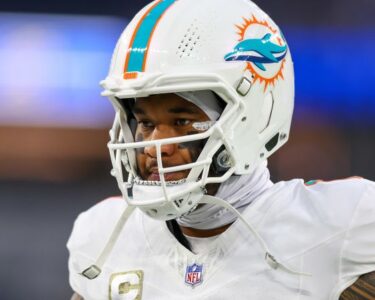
[335, 69]
[51, 66]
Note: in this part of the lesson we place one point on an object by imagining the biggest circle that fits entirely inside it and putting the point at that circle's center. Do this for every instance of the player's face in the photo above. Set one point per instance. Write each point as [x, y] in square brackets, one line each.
[166, 116]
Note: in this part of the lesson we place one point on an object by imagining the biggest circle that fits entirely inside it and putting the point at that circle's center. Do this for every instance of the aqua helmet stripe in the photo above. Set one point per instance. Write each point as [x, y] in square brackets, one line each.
[138, 49]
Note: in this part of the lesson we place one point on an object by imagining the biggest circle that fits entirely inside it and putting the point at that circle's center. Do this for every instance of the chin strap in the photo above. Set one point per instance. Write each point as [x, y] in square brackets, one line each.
[270, 259]
[94, 270]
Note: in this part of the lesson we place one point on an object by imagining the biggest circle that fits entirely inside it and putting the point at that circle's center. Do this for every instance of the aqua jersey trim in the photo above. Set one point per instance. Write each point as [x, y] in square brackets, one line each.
[138, 50]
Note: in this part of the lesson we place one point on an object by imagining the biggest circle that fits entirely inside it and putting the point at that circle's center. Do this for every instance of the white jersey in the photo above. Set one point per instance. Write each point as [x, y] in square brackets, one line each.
[326, 230]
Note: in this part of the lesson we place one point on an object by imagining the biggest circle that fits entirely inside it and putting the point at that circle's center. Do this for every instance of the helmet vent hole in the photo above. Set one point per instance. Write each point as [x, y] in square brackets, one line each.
[189, 42]
[178, 202]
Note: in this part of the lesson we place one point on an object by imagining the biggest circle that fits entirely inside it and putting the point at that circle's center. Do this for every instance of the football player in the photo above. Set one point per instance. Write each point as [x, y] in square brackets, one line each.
[204, 94]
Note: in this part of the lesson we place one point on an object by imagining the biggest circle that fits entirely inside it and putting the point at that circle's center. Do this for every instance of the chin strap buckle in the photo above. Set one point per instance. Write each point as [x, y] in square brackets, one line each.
[271, 261]
[94, 271]
[91, 272]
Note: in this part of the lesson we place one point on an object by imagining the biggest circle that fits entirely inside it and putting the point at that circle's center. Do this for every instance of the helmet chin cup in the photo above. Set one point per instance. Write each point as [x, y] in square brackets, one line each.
[174, 208]
[165, 202]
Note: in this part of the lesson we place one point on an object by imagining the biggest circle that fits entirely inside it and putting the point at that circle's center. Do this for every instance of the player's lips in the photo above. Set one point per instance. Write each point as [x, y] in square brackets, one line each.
[172, 176]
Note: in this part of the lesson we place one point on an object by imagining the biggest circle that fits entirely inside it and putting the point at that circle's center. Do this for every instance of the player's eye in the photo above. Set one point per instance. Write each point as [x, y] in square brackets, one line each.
[145, 125]
[182, 122]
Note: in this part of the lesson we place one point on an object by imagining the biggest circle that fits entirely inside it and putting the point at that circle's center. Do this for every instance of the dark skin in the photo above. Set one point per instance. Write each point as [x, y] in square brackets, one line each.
[163, 116]
[362, 289]
[166, 116]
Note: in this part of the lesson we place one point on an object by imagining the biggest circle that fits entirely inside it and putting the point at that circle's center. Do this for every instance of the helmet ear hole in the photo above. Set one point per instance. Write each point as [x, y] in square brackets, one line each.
[221, 162]
[272, 143]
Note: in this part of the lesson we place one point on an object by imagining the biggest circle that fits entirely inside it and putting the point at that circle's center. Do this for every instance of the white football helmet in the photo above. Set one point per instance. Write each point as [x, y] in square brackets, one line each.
[231, 48]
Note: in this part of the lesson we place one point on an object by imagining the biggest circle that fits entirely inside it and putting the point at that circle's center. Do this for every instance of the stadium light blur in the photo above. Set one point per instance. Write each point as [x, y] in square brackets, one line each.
[50, 66]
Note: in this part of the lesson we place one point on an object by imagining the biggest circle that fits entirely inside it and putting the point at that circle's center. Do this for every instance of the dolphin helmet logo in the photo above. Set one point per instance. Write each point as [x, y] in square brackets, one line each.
[262, 46]
[258, 51]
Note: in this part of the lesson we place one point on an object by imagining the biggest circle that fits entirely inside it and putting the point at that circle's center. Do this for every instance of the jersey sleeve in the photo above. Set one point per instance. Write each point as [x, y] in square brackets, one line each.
[358, 252]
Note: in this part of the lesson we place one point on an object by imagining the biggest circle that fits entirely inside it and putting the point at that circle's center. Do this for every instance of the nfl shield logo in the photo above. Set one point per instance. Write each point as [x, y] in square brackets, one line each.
[193, 274]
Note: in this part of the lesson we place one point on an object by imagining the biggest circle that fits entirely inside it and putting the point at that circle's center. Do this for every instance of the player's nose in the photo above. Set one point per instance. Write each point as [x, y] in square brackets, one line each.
[161, 132]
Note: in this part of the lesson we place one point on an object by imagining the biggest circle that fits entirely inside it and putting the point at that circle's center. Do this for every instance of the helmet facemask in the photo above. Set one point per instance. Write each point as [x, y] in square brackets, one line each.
[159, 193]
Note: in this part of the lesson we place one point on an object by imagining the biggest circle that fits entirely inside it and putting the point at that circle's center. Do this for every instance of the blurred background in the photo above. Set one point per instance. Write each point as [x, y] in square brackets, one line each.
[54, 125]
